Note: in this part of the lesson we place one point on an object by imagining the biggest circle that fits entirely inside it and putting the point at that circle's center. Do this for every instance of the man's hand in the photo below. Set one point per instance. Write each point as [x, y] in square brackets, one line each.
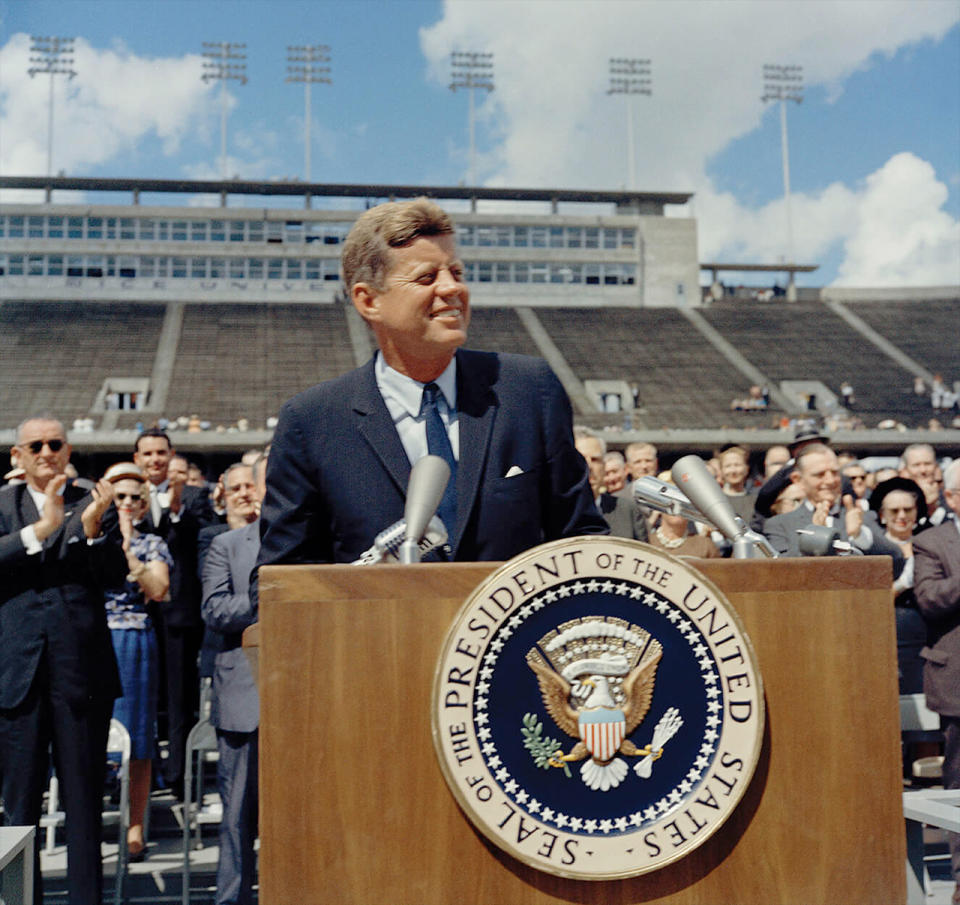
[102, 498]
[853, 517]
[175, 489]
[52, 516]
[821, 512]
[931, 493]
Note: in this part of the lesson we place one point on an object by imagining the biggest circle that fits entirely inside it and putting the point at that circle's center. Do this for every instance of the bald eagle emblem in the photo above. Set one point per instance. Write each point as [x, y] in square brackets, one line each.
[596, 676]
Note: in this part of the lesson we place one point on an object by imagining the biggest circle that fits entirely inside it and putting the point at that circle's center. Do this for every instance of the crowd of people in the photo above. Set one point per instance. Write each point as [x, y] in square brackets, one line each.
[122, 591]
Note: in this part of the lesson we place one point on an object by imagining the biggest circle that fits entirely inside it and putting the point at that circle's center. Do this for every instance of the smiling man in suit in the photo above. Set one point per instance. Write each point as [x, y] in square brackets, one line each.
[343, 450]
[58, 673]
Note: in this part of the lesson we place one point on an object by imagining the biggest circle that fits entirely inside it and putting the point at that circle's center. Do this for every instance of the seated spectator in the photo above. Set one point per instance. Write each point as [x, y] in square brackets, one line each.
[774, 459]
[615, 472]
[673, 533]
[622, 515]
[901, 510]
[855, 476]
[919, 463]
[789, 498]
[734, 470]
[134, 640]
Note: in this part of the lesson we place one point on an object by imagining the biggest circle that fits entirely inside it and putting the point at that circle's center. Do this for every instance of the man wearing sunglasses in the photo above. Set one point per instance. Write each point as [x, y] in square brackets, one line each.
[58, 674]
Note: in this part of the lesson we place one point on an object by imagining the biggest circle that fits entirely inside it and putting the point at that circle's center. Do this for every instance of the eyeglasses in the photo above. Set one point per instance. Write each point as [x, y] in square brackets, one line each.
[35, 446]
[133, 497]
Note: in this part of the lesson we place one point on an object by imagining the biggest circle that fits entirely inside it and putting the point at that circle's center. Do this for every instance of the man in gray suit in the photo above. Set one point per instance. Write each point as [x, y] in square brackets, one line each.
[936, 553]
[621, 514]
[818, 474]
[235, 706]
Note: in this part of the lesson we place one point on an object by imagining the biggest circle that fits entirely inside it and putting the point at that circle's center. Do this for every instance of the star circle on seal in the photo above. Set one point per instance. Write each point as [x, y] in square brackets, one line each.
[597, 708]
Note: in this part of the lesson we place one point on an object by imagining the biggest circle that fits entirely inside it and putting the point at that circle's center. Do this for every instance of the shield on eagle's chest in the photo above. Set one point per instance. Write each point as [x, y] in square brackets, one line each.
[602, 731]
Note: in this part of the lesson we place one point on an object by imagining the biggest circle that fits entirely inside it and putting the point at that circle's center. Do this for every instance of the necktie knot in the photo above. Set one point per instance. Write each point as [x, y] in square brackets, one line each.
[431, 397]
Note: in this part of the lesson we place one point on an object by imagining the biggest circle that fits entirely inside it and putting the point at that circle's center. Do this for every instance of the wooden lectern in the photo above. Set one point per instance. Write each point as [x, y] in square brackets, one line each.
[354, 809]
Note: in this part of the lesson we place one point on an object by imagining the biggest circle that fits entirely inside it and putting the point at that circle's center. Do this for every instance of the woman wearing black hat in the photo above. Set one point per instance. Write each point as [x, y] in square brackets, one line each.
[902, 512]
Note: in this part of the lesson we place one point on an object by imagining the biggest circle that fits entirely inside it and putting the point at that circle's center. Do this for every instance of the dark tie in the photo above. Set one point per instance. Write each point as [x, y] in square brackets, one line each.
[438, 444]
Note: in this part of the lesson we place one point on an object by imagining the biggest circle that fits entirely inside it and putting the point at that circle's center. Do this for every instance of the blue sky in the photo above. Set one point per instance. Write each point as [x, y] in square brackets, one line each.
[874, 148]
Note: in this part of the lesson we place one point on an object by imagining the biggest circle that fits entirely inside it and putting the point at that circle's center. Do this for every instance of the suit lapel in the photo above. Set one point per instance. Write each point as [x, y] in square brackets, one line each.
[476, 408]
[26, 509]
[376, 427]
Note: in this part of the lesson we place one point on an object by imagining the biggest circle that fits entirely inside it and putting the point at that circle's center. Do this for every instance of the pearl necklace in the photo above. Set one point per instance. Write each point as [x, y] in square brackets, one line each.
[669, 542]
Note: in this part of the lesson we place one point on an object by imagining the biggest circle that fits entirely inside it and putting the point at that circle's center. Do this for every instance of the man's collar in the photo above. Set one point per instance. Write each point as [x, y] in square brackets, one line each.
[408, 392]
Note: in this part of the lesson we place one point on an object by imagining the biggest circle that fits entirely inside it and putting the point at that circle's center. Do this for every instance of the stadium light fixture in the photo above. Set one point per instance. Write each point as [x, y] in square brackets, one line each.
[784, 83]
[628, 76]
[224, 62]
[305, 64]
[471, 71]
[51, 56]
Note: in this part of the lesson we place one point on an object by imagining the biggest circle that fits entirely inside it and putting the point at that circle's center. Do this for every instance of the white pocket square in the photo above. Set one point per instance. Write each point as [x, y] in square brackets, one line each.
[514, 471]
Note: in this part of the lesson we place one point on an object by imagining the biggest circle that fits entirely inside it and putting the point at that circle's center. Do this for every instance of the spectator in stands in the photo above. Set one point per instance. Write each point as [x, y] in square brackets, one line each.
[235, 705]
[818, 475]
[774, 459]
[919, 463]
[846, 395]
[615, 472]
[134, 641]
[789, 499]
[901, 513]
[675, 534]
[734, 470]
[195, 477]
[919, 387]
[856, 476]
[178, 469]
[176, 513]
[59, 549]
[620, 513]
[641, 460]
[937, 588]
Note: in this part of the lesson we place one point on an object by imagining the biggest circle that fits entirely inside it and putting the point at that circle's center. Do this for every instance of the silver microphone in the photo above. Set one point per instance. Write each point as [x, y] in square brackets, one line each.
[428, 480]
[386, 545]
[656, 494]
[819, 540]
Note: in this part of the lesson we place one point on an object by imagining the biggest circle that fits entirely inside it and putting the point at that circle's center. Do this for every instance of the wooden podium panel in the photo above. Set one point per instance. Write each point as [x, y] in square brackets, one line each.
[353, 806]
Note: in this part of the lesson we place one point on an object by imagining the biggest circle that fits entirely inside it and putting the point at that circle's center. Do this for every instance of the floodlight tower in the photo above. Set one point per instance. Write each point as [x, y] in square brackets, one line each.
[224, 62]
[630, 76]
[471, 71]
[784, 83]
[304, 65]
[53, 56]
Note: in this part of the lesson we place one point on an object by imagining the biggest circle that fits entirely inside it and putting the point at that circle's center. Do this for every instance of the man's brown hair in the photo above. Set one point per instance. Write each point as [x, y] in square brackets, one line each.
[366, 251]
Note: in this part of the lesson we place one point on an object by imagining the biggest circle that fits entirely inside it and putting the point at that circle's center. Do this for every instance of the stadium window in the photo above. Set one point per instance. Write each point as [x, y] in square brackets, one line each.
[629, 274]
[147, 266]
[218, 232]
[163, 230]
[521, 237]
[576, 273]
[15, 230]
[198, 268]
[294, 269]
[521, 272]
[236, 230]
[146, 230]
[110, 228]
[94, 228]
[294, 231]
[128, 228]
[484, 272]
[178, 230]
[538, 237]
[35, 227]
[236, 268]
[312, 269]
[574, 237]
[35, 266]
[255, 268]
[94, 266]
[591, 237]
[75, 228]
[468, 271]
[484, 236]
[559, 273]
[128, 268]
[501, 273]
[178, 268]
[628, 238]
[591, 274]
[3, 227]
[331, 270]
[54, 227]
[15, 265]
[610, 238]
[611, 278]
[111, 269]
[198, 230]
[275, 269]
[75, 266]
[556, 237]
[218, 268]
[256, 231]
[274, 232]
[3, 265]
[55, 265]
[504, 234]
[464, 235]
[538, 273]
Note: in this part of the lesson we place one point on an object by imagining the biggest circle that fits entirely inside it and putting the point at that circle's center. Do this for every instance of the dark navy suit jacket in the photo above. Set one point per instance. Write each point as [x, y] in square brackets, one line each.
[337, 472]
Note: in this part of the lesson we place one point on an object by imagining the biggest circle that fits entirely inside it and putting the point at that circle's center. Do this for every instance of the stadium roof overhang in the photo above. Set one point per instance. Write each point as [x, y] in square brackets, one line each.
[767, 268]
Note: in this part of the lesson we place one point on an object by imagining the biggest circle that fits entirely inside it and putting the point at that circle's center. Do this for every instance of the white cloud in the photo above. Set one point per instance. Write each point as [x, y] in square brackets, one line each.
[116, 100]
[557, 126]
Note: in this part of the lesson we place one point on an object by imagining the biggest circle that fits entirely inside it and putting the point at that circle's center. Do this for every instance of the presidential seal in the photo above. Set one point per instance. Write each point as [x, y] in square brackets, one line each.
[597, 708]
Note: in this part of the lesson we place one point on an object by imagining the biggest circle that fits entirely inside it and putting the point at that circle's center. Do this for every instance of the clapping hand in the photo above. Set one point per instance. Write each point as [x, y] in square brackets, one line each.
[853, 516]
[52, 516]
[102, 494]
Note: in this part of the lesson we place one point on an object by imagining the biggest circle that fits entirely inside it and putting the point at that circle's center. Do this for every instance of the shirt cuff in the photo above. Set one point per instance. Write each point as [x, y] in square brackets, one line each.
[864, 540]
[29, 538]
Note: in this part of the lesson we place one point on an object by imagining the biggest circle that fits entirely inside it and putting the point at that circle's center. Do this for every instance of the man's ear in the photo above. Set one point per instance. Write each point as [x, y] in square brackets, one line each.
[795, 476]
[367, 301]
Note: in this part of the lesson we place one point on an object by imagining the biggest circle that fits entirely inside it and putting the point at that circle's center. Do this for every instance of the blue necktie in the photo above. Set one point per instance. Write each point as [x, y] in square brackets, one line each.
[438, 444]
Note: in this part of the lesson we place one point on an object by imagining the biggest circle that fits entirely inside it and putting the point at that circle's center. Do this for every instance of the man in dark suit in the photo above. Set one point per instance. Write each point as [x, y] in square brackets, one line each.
[58, 673]
[176, 513]
[818, 474]
[235, 705]
[343, 450]
[936, 553]
[622, 515]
